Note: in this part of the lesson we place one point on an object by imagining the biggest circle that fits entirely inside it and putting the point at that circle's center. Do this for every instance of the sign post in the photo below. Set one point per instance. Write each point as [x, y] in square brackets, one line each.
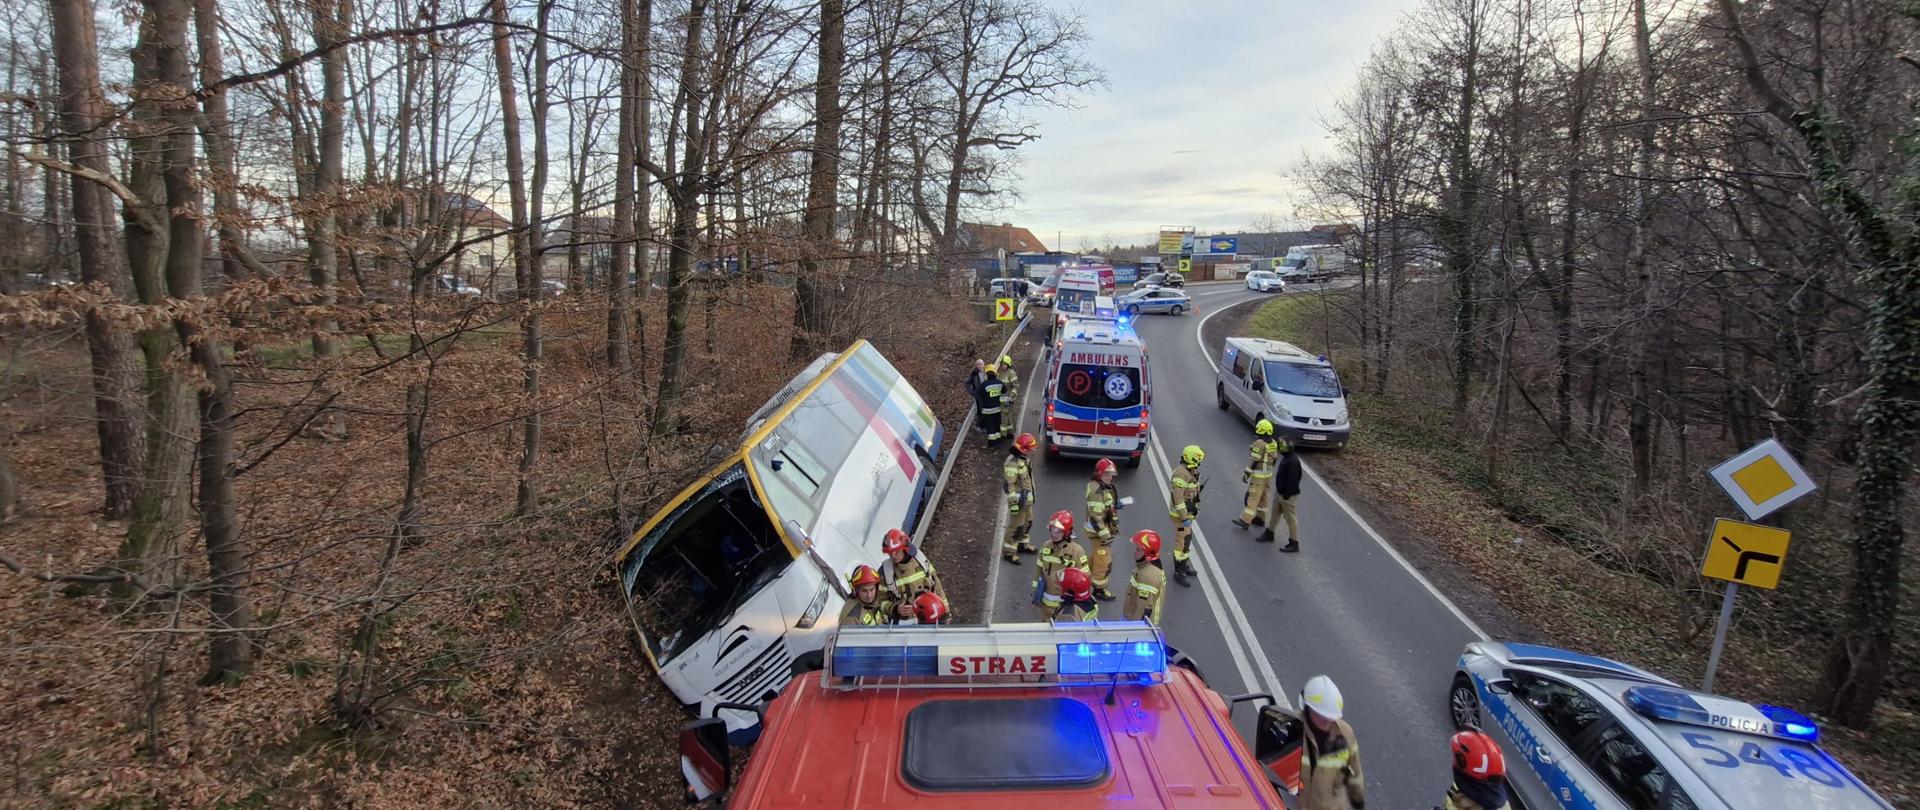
[1720, 635]
[1760, 481]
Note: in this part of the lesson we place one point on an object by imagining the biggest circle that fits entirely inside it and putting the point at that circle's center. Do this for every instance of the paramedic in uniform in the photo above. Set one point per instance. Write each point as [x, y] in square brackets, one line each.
[1148, 587]
[1103, 504]
[1060, 554]
[906, 572]
[1184, 509]
[988, 400]
[1018, 484]
[868, 607]
[1261, 458]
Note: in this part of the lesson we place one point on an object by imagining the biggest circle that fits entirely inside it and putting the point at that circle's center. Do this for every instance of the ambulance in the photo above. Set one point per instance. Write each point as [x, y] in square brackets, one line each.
[736, 583]
[1097, 389]
[1083, 715]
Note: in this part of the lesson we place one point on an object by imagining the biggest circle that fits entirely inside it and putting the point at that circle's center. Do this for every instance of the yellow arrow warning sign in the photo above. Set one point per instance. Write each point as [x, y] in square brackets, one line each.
[1746, 553]
[1003, 309]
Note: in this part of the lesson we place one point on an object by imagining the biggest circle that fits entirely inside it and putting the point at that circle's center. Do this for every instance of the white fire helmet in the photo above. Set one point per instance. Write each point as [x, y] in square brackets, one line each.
[1323, 697]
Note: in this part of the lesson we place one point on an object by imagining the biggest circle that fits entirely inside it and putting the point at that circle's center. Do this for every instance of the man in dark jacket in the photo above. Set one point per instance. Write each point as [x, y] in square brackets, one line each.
[1286, 489]
[976, 378]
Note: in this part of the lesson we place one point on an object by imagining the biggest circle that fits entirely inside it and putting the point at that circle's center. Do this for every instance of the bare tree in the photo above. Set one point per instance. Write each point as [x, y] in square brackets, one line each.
[823, 184]
[83, 116]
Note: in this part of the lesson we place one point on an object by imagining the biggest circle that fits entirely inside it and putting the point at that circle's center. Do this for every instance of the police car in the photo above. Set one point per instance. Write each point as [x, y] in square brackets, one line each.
[1060, 716]
[1580, 731]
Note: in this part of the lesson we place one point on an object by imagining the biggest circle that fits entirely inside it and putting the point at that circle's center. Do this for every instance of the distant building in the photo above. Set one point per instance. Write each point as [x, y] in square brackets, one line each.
[988, 250]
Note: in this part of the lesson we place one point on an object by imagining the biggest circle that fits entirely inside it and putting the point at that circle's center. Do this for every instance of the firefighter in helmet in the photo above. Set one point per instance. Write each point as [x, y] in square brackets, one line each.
[906, 572]
[1060, 554]
[1103, 505]
[869, 605]
[930, 608]
[988, 400]
[1018, 474]
[1258, 475]
[1185, 509]
[1010, 380]
[1148, 587]
[1478, 769]
[1076, 597]
[1330, 775]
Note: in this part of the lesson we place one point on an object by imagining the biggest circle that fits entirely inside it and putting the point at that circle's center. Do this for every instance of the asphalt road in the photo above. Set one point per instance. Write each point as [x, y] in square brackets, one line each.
[1257, 620]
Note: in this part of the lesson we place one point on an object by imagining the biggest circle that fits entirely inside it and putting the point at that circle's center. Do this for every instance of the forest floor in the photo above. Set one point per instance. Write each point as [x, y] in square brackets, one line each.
[504, 669]
[1508, 552]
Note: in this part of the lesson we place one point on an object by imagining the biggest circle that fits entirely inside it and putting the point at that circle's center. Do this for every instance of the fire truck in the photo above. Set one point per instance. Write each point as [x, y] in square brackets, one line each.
[1097, 714]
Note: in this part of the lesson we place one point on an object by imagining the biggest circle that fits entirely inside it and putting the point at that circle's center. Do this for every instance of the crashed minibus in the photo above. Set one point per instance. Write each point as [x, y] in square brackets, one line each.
[736, 583]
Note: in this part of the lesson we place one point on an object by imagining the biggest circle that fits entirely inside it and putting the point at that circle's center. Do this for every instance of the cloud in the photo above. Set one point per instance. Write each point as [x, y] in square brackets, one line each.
[1208, 107]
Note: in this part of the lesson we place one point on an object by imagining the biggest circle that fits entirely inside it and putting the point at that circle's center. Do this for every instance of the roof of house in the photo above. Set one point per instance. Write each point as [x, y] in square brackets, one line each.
[1005, 236]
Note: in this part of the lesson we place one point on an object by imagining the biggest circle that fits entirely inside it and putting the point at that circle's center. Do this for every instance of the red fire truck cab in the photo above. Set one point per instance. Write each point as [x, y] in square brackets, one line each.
[1056, 716]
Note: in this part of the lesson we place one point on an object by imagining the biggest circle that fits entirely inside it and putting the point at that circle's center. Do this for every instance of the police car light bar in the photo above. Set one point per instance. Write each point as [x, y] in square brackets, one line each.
[1677, 706]
[965, 653]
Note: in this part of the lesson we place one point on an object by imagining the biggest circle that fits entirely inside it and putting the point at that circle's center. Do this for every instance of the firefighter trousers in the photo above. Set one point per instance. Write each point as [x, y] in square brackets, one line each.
[1100, 561]
[1019, 523]
[1258, 506]
[1182, 538]
[990, 424]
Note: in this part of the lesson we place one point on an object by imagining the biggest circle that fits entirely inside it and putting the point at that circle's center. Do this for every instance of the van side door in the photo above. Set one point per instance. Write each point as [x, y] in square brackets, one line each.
[1236, 369]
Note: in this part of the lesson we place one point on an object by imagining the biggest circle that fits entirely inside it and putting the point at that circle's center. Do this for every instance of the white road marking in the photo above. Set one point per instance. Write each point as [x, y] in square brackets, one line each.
[1199, 340]
[1220, 596]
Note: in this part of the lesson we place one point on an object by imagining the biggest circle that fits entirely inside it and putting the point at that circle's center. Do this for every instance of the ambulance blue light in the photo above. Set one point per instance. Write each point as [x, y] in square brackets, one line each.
[873, 662]
[1112, 658]
[1125, 321]
[1789, 724]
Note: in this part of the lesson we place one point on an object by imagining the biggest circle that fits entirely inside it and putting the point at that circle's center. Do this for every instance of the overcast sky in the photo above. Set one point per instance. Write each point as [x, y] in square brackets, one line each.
[1208, 104]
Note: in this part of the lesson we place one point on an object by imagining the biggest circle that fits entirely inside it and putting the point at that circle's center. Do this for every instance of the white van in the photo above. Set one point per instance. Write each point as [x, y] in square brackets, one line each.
[1274, 380]
[1098, 391]
[738, 581]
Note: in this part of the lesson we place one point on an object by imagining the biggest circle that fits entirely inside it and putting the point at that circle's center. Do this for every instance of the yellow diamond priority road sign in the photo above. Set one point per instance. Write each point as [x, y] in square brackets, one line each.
[1763, 479]
[1746, 553]
[1003, 309]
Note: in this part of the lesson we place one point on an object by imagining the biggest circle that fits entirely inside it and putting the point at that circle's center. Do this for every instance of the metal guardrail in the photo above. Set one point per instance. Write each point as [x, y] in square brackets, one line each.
[960, 440]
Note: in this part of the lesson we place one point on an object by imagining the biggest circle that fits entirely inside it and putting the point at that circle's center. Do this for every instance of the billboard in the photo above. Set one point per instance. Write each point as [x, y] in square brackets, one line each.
[1174, 241]
[1216, 245]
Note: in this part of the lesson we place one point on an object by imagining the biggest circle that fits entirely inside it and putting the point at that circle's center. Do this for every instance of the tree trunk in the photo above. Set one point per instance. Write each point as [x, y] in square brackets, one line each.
[1640, 403]
[525, 239]
[332, 20]
[640, 52]
[619, 275]
[159, 516]
[236, 261]
[683, 194]
[823, 183]
[1458, 225]
[117, 416]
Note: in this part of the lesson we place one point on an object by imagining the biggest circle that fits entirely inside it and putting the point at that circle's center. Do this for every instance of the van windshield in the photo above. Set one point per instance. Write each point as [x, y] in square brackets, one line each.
[701, 563]
[1302, 380]
[1097, 386]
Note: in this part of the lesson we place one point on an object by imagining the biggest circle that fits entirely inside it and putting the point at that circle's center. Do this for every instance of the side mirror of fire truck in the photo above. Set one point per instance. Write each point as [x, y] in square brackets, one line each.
[706, 763]
[706, 756]
[1277, 746]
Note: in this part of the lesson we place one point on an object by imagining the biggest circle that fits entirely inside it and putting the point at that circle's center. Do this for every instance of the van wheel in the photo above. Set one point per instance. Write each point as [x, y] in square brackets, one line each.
[1133, 462]
[1220, 395]
[1176, 309]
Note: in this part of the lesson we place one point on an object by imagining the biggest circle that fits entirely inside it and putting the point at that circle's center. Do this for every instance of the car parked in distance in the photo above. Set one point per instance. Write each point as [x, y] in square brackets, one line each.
[1156, 299]
[1266, 281]
[449, 285]
[1174, 280]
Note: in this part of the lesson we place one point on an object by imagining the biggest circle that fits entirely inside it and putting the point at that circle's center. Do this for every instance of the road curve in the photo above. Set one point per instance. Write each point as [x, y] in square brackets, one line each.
[1257, 620]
